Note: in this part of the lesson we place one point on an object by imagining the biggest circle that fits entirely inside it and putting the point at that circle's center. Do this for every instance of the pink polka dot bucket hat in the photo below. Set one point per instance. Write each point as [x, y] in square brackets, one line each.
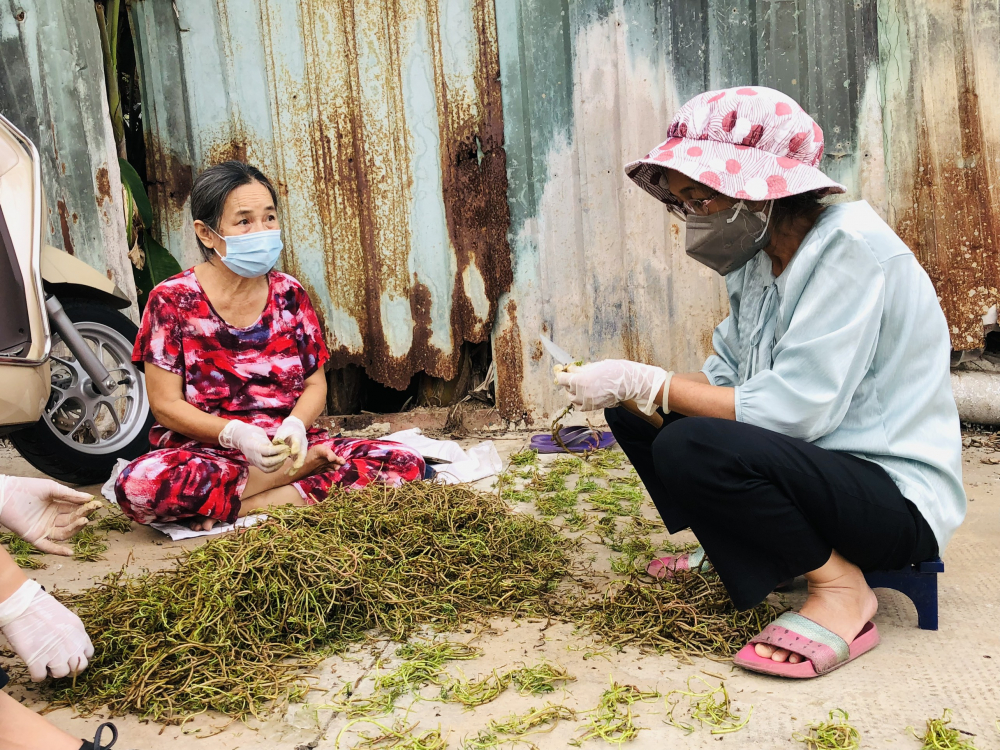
[750, 143]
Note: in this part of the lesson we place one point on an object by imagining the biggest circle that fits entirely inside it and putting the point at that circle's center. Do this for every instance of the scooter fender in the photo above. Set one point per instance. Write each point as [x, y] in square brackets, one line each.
[67, 276]
[25, 393]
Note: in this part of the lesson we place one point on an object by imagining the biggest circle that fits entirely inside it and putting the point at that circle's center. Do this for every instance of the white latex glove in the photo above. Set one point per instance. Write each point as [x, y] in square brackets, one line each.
[601, 385]
[292, 433]
[253, 443]
[43, 512]
[46, 635]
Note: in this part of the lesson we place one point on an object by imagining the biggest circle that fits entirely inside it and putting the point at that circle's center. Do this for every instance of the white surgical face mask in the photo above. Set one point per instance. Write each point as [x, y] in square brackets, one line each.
[726, 240]
[253, 254]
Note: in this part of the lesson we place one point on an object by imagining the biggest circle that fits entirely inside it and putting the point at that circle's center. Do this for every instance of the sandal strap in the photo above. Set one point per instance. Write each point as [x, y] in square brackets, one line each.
[577, 436]
[697, 561]
[800, 635]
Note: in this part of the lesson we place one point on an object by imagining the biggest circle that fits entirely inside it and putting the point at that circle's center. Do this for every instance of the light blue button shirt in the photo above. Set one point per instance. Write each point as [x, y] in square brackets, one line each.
[848, 349]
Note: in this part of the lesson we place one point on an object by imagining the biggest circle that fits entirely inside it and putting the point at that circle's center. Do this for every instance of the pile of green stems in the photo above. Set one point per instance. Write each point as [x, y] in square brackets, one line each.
[233, 624]
[689, 614]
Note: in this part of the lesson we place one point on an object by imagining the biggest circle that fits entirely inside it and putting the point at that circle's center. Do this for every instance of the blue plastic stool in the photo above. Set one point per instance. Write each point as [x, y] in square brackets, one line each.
[919, 583]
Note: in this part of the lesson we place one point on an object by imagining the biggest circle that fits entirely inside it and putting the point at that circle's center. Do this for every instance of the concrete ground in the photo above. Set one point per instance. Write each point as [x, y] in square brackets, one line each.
[914, 675]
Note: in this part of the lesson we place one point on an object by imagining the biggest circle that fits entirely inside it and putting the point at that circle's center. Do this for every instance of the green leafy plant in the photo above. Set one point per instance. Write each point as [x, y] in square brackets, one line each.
[941, 736]
[710, 707]
[151, 261]
[612, 720]
[835, 734]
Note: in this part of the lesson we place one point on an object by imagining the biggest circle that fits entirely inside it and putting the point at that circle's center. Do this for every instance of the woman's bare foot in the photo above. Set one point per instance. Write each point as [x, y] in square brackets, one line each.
[200, 523]
[839, 599]
[286, 495]
[319, 458]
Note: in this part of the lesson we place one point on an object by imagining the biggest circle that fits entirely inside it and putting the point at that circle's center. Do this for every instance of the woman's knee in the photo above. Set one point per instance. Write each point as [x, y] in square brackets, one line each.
[683, 436]
[689, 451]
[613, 416]
[168, 484]
[626, 426]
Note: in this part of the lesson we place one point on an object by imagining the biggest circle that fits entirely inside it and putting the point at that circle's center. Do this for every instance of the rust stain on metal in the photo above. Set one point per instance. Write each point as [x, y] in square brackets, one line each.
[361, 197]
[341, 135]
[64, 226]
[951, 222]
[170, 184]
[335, 148]
[103, 186]
[351, 218]
[474, 181]
[510, 369]
[233, 149]
[706, 341]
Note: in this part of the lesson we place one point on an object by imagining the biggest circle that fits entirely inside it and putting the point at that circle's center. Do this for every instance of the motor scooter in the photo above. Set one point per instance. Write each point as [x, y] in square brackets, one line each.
[71, 400]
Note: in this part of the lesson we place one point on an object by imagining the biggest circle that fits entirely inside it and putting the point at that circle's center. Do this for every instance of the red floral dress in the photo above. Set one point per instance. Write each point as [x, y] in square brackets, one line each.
[255, 374]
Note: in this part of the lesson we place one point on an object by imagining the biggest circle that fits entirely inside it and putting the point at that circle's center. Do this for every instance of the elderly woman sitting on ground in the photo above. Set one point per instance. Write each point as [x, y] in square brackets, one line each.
[234, 356]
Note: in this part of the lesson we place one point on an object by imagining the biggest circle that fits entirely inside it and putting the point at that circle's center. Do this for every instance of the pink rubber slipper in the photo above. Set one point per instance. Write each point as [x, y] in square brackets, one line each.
[665, 567]
[823, 649]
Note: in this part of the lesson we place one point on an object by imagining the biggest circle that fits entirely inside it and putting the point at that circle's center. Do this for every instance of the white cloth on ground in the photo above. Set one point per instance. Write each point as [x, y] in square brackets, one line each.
[478, 462]
[176, 531]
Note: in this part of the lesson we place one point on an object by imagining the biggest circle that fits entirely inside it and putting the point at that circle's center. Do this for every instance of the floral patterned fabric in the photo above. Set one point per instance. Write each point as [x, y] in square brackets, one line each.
[255, 374]
[750, 143]
[204, 480]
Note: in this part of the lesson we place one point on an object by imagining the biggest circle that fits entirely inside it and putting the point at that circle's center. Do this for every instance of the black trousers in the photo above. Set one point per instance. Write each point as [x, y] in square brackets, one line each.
[767, 507]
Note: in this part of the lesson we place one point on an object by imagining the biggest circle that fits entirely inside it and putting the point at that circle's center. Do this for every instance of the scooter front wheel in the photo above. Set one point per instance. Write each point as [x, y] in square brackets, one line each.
[82, 432]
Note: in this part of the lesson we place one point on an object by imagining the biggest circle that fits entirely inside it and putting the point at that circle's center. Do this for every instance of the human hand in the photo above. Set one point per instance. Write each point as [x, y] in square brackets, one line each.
[253, 443]
[601, 385]
[46, 635]
[44, 512]
[292, 433]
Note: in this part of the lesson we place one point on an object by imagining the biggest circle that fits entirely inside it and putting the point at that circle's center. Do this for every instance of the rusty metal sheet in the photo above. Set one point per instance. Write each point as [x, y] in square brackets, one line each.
[52, 88]
[590, 86]
[380, 124]
[941, 85]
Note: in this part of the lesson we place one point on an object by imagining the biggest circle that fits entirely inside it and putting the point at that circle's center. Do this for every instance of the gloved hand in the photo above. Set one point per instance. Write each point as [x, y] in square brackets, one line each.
[601, 385]
[46, 635]
[253, 443]
[43, 512]
[292, 433]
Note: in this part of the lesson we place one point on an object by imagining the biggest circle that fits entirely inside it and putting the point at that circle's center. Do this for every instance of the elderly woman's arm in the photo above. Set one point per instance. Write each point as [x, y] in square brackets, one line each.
[313, 399]
[691, 394]
[166, 400]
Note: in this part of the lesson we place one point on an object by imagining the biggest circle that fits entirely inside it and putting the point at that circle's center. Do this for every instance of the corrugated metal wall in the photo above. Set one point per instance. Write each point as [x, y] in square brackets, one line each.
[940, 64]
[380, 124]
[52, 88]
[593, 84]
